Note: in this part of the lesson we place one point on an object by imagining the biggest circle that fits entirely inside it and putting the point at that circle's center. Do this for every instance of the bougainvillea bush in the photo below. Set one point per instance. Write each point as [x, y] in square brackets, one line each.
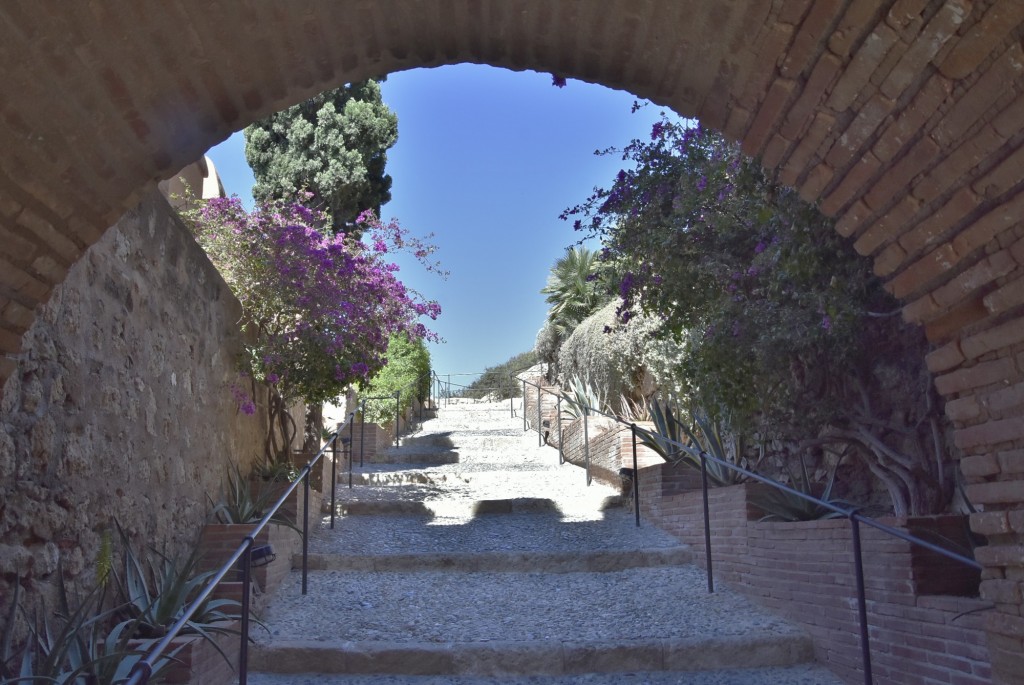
[783, 330]
[322, 308]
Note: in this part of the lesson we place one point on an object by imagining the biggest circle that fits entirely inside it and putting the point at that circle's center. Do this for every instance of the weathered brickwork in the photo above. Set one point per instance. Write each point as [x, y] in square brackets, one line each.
[924, 626]
[902, 117]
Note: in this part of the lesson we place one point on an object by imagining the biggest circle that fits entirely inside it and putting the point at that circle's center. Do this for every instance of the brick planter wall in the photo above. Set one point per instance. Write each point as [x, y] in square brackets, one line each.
[804, 571]
[219, 541]
[201, 664]
[371, 438]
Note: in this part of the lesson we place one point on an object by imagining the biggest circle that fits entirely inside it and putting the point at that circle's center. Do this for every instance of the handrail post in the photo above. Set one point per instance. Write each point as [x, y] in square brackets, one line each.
[243, 652]
[586, 443]
[524, 406]
[350, 452]
[362, 437]
[636, 478]
[540, 421]
[707, 521]
[305, 532]
[561, 453]
[398, 414]
[862, 609]
[334, 471]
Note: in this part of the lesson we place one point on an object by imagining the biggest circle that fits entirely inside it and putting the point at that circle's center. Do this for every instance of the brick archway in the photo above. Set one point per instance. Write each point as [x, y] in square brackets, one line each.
[902, 118]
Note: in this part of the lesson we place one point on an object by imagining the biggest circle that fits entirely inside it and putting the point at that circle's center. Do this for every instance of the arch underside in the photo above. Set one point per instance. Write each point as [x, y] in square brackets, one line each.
[901, 118]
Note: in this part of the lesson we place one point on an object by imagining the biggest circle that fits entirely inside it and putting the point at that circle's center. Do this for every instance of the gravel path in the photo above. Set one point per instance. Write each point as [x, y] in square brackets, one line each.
[480, 607]
[549, 510]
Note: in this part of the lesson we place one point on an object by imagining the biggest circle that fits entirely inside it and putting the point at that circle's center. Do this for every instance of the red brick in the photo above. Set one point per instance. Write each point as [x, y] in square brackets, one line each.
[979, 465]
[806, 104]
[921, 309]
[1007, 297]
[855, 179]
[981, 274]
[979, 233]
[939, 225]
[1005, 398]
[953, 169]
[808, 144]
[940, 29]
[775, 152]
[979, 375]
[857, 74]
[981, 96]
[867, 121]
[736, 126]
[973, 47]
[888, 261]
[888, 226]
[764, 123]
[995, 493]
[897, 179]
[912, 118]
[924, 270]
[793, 11]
[964, 409]
[816, 181]
[1003, 591]
[857, 19]
[905, 12]
[992, 433]
[996, 338]
[813, 30]
[945, 358]
[990, 522]
[852, 219]
[775, 43]
[1011, 461]
[1007, 175]
[1007, 122]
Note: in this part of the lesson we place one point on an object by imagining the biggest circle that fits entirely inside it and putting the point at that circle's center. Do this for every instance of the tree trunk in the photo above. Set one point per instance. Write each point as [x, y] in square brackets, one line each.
[313, 434]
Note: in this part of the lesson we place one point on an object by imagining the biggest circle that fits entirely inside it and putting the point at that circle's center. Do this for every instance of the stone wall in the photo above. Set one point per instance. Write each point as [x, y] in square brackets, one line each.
[121, 406]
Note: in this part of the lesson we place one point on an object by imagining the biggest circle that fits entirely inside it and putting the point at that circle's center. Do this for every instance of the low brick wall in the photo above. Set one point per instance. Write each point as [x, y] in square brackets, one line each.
[804, 571]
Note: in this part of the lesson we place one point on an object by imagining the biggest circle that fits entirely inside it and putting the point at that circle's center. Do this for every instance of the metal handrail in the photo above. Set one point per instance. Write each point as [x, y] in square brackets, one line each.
[852, 514]
[143, 669]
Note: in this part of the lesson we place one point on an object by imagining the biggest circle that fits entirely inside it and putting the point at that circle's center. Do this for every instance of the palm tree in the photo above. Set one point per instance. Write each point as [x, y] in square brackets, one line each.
[574, 289]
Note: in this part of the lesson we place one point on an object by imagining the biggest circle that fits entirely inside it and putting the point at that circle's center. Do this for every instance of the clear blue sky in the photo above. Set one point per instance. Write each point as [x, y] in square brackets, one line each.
[486, 160]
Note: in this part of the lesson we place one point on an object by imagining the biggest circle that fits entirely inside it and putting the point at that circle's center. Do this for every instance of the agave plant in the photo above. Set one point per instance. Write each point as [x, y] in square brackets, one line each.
[158, 589]
[238, 504]
[581, 399]
[73, 646]
[780, 505]
[676, 442]
[634, 411]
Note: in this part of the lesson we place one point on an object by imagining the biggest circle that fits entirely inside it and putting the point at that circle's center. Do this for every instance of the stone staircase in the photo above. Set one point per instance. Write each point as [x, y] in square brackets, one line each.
[470, 556]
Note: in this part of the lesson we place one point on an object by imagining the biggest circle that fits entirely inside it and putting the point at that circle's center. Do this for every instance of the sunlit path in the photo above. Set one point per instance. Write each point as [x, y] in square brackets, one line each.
[469, 555]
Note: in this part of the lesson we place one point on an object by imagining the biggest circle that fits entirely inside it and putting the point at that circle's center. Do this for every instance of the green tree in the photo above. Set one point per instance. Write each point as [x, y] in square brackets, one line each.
[406, 370]
[574, 289]
[784, 329]
[333, 147]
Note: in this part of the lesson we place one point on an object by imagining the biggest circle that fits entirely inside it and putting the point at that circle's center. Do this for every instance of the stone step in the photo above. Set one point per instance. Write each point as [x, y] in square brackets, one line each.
[596, 561]
[801, 674]
[755, 649]
[517, 505]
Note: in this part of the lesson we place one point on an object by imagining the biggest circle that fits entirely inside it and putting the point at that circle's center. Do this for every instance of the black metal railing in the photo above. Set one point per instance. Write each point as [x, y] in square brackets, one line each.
[851, 514]
[241, 557]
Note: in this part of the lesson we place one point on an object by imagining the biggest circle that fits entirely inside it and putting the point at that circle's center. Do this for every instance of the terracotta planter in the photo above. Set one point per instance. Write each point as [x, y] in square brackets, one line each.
[198, 662]
[220, 540]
